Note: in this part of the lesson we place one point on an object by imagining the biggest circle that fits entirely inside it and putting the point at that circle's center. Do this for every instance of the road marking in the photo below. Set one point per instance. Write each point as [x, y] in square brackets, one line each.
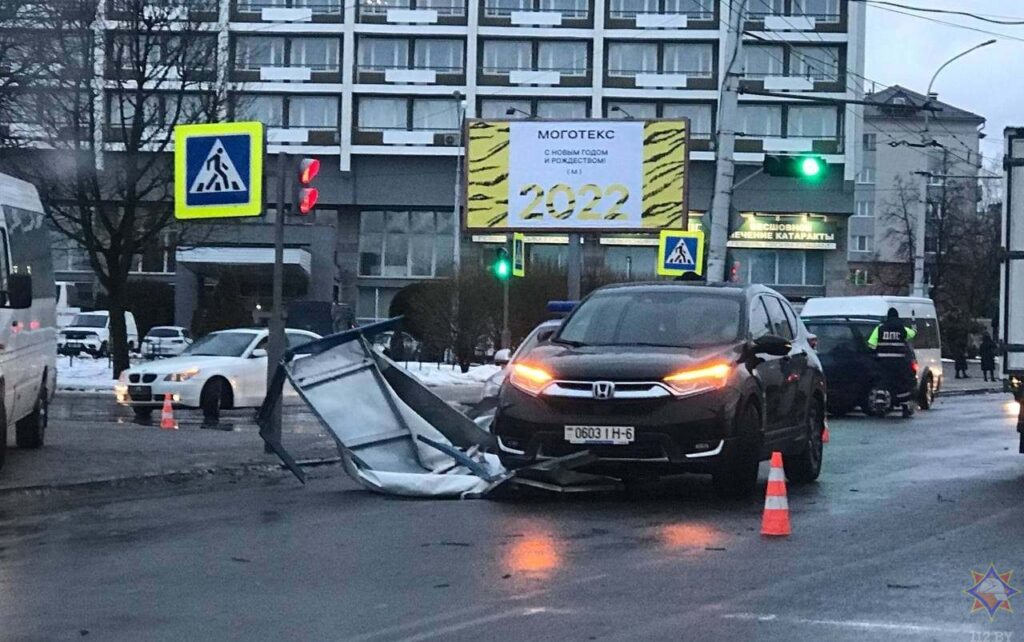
[849, 624]
[486, 619]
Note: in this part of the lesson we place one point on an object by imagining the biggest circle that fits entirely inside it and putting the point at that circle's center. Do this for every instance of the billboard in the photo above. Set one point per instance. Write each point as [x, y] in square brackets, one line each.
[624, 175]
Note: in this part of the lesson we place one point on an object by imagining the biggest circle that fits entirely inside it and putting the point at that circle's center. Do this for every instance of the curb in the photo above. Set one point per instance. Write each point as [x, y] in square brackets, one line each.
[970, 392]
[171, 475]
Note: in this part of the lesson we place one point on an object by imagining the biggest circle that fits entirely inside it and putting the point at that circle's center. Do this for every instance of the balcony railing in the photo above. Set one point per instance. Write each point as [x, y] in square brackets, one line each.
[691, 73]
[499, 70]
[502, 11]
[319, 7]
[441, 69]
[629, 14]
[381, 7]
[758, 16]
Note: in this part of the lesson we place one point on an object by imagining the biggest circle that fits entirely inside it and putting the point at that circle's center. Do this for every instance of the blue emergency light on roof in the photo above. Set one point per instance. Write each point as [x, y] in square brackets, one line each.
[561, 307]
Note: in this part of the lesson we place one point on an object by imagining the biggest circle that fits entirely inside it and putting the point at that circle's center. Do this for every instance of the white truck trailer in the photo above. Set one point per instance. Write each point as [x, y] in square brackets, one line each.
[1011, 319]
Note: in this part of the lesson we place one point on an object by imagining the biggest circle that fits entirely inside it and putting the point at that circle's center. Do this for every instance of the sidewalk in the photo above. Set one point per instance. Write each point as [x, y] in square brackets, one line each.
[87, 442]
[975, 384]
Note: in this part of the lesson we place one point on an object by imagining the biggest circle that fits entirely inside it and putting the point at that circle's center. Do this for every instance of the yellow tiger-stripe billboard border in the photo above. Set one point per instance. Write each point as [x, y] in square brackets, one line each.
[576, 175]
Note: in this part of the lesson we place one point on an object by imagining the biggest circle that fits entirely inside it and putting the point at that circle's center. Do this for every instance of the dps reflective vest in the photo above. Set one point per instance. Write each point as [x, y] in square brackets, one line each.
[889, 338]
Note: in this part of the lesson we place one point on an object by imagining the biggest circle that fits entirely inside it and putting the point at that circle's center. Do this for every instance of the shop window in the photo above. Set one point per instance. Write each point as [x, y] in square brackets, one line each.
[780, 267]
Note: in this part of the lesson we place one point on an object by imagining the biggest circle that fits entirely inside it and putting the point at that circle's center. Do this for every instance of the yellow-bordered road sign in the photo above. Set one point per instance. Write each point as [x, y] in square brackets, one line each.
[218, 170]
[518, 254]
[680, 252]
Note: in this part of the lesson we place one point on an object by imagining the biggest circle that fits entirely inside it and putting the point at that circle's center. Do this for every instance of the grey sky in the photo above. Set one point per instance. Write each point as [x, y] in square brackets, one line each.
[990, 82]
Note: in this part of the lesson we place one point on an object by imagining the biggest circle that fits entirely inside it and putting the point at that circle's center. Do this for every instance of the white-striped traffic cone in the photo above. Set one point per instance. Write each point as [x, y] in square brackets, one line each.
[167, 415]
[775, 522]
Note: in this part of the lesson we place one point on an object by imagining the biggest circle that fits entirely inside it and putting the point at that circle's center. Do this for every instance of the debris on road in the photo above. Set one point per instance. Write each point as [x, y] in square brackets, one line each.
[397, 437]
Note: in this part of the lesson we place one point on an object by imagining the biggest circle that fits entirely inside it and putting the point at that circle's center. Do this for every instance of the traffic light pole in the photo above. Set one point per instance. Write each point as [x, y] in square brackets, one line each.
[725, 147]
[275, 344]
[574, 269]
[506, 333]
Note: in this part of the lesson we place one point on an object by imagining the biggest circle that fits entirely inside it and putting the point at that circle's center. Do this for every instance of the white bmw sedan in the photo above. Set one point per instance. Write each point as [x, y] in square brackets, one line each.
[223, 370]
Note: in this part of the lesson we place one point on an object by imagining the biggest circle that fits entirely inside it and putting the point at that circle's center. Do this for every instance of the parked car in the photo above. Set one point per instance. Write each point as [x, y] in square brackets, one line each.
[223, 370]
[165, 341]
[489, 399]
[28, 316]
[89, 332]
[918, 311]
[65, 312]
[851, 369]
[670, 377]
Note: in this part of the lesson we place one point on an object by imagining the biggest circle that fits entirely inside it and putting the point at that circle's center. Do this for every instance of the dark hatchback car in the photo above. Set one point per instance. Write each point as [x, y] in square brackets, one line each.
[670, 377]
[850, 366]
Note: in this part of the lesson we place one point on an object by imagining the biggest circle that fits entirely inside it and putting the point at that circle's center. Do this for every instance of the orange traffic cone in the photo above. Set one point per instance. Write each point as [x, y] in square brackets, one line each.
[776, 507]
[167, 415]
[824, 434]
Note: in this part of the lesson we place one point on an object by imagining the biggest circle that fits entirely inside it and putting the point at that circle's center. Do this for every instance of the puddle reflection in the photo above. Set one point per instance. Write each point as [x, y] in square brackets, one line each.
[683, 535]
[536, 553]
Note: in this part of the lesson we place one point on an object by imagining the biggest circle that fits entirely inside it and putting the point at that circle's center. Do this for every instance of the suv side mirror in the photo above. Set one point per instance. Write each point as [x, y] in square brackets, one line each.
[258, 353]
[19, 291]
[773, 345]
[502, 357]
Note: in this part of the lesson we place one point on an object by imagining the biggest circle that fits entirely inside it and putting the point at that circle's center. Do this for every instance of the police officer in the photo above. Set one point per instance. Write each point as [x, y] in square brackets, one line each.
[890, 340]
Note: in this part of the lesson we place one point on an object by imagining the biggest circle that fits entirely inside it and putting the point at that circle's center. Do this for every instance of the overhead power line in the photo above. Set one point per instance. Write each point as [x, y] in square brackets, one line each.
[996, 20]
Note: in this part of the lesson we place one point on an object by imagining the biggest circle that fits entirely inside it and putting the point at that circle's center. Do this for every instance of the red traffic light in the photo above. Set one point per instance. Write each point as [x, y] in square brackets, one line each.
[308, 170]
[307, 199]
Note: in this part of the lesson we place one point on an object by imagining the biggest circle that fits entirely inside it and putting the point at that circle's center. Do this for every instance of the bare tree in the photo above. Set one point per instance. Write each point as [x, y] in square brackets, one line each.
[105, 172]
[899, 215]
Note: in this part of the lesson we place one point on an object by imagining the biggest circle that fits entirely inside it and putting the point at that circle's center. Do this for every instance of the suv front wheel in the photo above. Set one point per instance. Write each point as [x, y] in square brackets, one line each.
[736, 475]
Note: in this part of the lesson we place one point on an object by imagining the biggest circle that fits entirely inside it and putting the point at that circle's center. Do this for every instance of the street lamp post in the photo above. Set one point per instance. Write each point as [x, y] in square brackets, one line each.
[922, 217]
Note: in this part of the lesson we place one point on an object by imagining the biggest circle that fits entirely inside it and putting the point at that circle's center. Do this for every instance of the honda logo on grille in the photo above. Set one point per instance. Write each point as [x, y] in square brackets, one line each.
[604, 390]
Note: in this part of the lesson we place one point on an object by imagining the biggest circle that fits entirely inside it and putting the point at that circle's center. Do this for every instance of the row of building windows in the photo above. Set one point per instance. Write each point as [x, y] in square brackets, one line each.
[569, 57]
[823, 10]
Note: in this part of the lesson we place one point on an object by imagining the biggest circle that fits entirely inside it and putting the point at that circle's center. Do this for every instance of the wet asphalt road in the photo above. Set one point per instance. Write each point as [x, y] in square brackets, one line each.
[882, 549]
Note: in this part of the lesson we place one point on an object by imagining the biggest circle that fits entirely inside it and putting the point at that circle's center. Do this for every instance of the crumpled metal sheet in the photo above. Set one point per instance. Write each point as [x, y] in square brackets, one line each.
[395, 436]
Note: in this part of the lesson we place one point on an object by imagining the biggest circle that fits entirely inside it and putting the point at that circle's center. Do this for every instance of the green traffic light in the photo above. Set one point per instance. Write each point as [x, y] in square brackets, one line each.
[810, 167]
[502, 269]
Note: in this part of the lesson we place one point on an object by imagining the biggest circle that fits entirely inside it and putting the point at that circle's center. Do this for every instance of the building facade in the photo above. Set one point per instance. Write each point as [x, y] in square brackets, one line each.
[379, 90]
[919, 155]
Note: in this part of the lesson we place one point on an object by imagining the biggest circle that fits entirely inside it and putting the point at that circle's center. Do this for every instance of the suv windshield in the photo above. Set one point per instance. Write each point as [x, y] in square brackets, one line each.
[222, 344]
[90, 321]
[664, 317]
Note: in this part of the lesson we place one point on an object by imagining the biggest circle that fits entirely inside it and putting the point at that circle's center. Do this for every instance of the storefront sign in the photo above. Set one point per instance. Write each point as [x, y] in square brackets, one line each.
[800, 232]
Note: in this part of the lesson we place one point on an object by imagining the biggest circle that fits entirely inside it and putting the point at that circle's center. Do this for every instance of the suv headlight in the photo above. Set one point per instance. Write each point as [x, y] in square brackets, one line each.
[529, 378]
[178, 377]
[700, 379]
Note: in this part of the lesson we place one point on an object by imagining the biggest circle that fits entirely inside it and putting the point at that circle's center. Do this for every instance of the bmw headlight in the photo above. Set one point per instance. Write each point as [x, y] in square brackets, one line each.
[178, 377]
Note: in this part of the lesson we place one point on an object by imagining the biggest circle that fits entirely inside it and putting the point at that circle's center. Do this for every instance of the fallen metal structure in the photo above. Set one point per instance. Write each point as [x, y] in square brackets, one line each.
[394, 435]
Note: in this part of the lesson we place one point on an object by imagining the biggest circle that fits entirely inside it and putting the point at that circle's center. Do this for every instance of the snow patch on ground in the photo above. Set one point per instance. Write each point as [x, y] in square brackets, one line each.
[84, 374]
[445, 375]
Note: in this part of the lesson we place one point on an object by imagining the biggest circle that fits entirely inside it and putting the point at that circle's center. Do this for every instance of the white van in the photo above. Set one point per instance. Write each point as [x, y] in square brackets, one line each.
[28, 319]
[90, 332]
[919, 311]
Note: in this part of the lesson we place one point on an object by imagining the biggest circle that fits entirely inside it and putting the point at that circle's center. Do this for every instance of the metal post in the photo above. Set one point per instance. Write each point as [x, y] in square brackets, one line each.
[275, 344]
[506, 333]
[725, 147]
[456, 212]
[575, 266]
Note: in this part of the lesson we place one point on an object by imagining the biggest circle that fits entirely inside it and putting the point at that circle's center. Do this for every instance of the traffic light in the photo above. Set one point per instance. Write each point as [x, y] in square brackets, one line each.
[307, 195]
[502, 266]
[806, 166]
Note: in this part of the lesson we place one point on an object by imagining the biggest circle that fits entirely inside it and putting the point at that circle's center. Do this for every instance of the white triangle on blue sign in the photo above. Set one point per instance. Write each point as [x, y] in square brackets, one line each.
[218, 174]
[680, 255]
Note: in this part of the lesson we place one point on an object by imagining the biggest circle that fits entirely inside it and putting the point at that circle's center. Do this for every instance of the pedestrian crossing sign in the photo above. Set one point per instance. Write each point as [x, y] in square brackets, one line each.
[680, 252]
[218, 170]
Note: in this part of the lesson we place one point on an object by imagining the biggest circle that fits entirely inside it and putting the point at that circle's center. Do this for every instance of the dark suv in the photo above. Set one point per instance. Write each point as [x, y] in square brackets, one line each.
[670, 377]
